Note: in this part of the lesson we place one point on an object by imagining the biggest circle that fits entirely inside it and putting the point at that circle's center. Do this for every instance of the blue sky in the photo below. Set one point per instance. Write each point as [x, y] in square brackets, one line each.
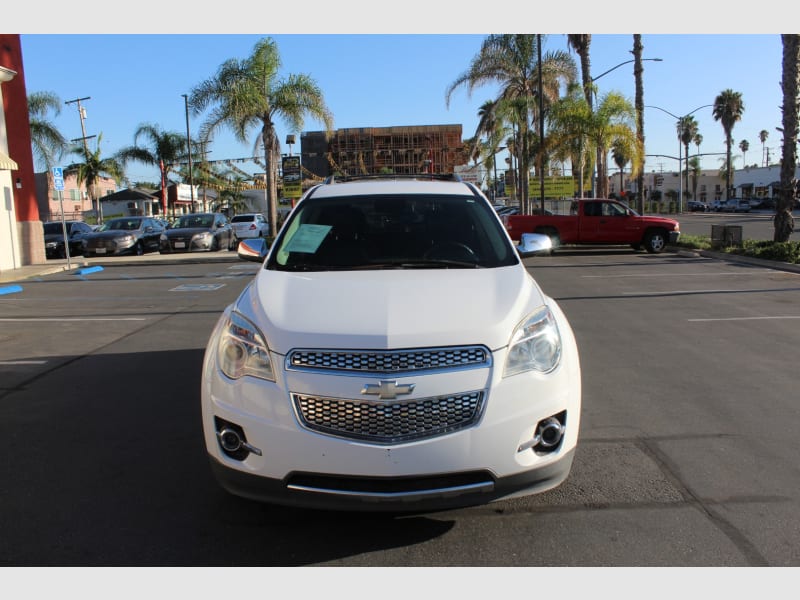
[392, 78]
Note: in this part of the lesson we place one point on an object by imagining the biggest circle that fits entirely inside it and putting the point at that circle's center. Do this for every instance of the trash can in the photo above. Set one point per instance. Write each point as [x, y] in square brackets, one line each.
[726, 236]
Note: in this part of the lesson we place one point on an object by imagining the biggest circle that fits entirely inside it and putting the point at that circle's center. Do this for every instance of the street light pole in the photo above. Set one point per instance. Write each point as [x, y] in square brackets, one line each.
[680, 150]
[189, 148]
[595, 180]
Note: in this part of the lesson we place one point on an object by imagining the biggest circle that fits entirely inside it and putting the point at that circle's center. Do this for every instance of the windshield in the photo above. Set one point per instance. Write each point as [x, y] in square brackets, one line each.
[123, 224]
[54, 228]
[392, 232]
[243, 218]
[195, 221]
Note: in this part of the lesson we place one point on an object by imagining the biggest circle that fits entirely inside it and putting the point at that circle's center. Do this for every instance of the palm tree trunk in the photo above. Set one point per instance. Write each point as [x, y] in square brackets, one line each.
[784, 221]
[639, 102]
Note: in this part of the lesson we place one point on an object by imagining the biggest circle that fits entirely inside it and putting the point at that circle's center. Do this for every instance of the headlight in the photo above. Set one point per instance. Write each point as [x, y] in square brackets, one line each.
[535, 344]
[242, 350]
[203, 236]
[50, 244]
[127, 239]
[163, 238]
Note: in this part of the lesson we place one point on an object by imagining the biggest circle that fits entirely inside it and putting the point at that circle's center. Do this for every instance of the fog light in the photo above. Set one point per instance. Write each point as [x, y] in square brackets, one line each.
[547, 435]
[232, 440]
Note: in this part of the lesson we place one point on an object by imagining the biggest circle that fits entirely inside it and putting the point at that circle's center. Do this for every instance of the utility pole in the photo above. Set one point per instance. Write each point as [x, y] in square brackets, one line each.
[189, 148]
[82, 115]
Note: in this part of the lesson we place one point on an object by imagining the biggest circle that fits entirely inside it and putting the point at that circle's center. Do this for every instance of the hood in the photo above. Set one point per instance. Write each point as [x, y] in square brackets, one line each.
[666, 221]
[389, 309]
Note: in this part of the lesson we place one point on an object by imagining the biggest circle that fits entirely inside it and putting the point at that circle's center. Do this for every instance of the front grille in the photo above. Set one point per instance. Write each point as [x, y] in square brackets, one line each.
[385, 422]
[389, 361]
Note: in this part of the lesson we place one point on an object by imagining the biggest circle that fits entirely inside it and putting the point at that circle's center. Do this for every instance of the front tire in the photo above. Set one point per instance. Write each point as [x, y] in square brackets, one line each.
[655, 241]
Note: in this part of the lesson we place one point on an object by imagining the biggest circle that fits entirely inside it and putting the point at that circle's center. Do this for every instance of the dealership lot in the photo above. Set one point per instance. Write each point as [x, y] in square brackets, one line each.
[687, 451]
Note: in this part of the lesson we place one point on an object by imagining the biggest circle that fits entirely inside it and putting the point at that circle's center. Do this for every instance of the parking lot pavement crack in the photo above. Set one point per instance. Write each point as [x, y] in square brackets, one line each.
[651, 448]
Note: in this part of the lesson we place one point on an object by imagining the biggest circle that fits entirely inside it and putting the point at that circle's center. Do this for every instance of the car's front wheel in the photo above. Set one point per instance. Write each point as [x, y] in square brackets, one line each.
[655, 241]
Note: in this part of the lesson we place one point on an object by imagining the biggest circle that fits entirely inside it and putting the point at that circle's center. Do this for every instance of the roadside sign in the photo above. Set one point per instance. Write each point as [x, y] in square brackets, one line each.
[58, 178]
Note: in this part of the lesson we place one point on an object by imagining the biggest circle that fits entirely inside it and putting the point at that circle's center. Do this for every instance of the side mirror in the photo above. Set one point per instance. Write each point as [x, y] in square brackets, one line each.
[532, 244]
[254, 249]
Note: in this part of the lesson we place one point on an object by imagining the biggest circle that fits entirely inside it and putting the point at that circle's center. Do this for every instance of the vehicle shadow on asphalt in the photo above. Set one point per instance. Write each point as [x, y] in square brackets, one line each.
[106, 462]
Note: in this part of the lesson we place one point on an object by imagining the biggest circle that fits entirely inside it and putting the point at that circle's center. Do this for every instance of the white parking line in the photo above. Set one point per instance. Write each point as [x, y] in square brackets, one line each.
[737, 273]
[743, 319]
[5, 363]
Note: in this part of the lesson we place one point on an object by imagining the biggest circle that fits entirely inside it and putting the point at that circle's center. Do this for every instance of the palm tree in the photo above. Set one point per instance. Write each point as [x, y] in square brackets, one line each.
[249, 93]
[621, 157]
[687, 129]
[728, 109]
[47, 142]
[164, 149]
[580, 42]
[697, 140]
[784, 221]
[744, 146]
[638, 69]
[694, 167]
[763, 135]
[512, 61]
[92, 169]
[569, 120]
[612, 123]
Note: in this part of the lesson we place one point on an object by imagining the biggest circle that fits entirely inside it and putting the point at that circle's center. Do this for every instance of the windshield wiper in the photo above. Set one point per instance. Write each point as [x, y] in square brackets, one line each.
[419, 264]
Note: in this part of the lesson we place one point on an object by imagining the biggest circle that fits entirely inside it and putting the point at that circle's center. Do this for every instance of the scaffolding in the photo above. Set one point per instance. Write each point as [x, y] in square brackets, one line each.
[400, 150]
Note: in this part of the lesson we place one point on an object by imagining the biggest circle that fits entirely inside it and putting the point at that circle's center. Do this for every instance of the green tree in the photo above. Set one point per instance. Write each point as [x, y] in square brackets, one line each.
[250, 93]
[512, 62]
[784, 221]
[696, 170]
[728, 110]
[163, 149]
[613, 122]
[569, 120]
[687, 128]
[93, 168]
[47, 143]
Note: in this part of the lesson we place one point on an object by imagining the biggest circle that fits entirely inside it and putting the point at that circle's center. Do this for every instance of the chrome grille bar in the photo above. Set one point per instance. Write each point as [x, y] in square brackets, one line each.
[389, 422]
[389, 361]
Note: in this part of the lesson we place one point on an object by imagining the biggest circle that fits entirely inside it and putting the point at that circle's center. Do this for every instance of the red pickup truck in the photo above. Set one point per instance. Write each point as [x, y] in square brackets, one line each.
[597, 221]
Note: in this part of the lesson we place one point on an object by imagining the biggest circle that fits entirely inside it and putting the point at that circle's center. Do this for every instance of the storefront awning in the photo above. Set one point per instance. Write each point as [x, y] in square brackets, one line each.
[6, 164]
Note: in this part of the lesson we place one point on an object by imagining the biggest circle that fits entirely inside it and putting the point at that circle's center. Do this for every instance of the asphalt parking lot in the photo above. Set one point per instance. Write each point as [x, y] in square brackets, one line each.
[686, 457]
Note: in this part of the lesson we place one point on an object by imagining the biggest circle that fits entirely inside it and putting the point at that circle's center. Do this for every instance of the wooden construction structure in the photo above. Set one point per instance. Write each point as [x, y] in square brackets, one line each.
[376, 150]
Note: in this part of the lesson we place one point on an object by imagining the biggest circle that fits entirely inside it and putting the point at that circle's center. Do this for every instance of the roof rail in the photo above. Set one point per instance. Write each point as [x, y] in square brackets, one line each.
[417, 176]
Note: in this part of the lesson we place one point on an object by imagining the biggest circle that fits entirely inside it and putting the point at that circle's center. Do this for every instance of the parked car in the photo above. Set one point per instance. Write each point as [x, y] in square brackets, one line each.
[393, 354]
[198, 232]
[697, 206]
[717, 205]
[249, 225]
[123, 235]
[54, 238]
[735, 205]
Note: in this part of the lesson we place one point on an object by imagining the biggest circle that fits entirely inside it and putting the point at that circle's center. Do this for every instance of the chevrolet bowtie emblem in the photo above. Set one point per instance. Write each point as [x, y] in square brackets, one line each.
[387, 390]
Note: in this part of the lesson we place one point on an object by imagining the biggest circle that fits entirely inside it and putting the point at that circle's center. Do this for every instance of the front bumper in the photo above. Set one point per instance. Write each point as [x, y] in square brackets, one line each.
[674, 236]
[392, 494]
[489, 460]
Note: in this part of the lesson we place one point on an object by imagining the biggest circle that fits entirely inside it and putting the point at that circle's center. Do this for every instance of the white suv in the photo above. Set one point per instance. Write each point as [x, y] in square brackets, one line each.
[249, 225]
[393, 353]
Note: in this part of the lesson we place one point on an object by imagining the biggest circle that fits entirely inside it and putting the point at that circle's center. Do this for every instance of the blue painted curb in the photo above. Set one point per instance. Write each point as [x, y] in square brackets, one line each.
[86, 270]
[10, 289]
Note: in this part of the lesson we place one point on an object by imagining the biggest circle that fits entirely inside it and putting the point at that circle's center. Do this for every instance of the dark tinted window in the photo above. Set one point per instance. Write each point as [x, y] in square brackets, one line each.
[391, 231]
